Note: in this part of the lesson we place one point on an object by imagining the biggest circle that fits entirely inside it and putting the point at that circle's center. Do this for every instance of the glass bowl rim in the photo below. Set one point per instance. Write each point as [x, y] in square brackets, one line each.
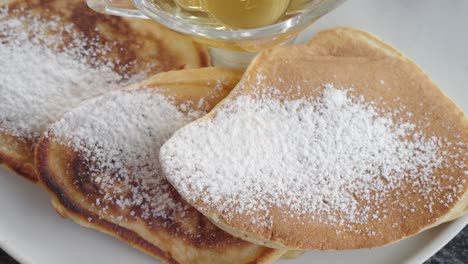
[312, 13]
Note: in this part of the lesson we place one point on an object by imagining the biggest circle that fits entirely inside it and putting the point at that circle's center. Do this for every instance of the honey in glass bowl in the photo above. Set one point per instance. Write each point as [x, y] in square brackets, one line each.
[233, 29]
[233, 14]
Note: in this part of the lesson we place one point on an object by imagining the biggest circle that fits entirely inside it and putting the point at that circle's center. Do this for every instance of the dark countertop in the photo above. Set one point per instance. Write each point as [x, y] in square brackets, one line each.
[456, 252]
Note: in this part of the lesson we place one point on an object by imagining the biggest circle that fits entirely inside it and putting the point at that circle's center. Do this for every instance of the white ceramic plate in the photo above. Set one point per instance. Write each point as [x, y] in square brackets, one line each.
[434, 33]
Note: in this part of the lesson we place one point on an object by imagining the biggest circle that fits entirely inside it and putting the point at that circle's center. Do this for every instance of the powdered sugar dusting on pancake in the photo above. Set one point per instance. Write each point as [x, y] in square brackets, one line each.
[333, 159]
[48, 67]
[118, 136]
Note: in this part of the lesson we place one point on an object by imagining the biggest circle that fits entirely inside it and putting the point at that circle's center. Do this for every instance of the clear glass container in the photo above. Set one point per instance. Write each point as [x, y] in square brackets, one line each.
[230, 47]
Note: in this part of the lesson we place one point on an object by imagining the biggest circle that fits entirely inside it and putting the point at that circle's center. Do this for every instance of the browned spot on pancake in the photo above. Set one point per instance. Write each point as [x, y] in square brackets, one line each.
[89, 23]
[84, 182]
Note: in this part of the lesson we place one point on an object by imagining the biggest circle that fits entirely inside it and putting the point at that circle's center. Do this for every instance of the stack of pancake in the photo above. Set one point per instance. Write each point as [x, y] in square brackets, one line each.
[59, 40]
[65, 39]
[343, 143]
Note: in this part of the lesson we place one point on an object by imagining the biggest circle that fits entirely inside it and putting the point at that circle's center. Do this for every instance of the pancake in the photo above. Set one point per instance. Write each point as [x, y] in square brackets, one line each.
[57, 53]
[100, 163]
[340, 144]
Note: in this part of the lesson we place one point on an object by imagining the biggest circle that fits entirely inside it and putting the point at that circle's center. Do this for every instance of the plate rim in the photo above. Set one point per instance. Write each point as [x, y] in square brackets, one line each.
[453, 228]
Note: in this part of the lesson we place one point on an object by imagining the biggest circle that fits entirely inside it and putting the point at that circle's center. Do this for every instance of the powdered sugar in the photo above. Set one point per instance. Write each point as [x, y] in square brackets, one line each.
[48, 68]
[332, 157]
[119, 136]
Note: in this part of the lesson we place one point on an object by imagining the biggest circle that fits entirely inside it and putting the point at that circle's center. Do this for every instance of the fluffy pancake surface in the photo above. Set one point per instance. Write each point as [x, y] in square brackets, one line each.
[57, 53]
[100, 162]
[340, 144]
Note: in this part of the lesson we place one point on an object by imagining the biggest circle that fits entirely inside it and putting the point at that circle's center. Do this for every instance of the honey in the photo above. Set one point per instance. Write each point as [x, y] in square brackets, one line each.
[232, 14]
[227, 15]
[246, 14]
